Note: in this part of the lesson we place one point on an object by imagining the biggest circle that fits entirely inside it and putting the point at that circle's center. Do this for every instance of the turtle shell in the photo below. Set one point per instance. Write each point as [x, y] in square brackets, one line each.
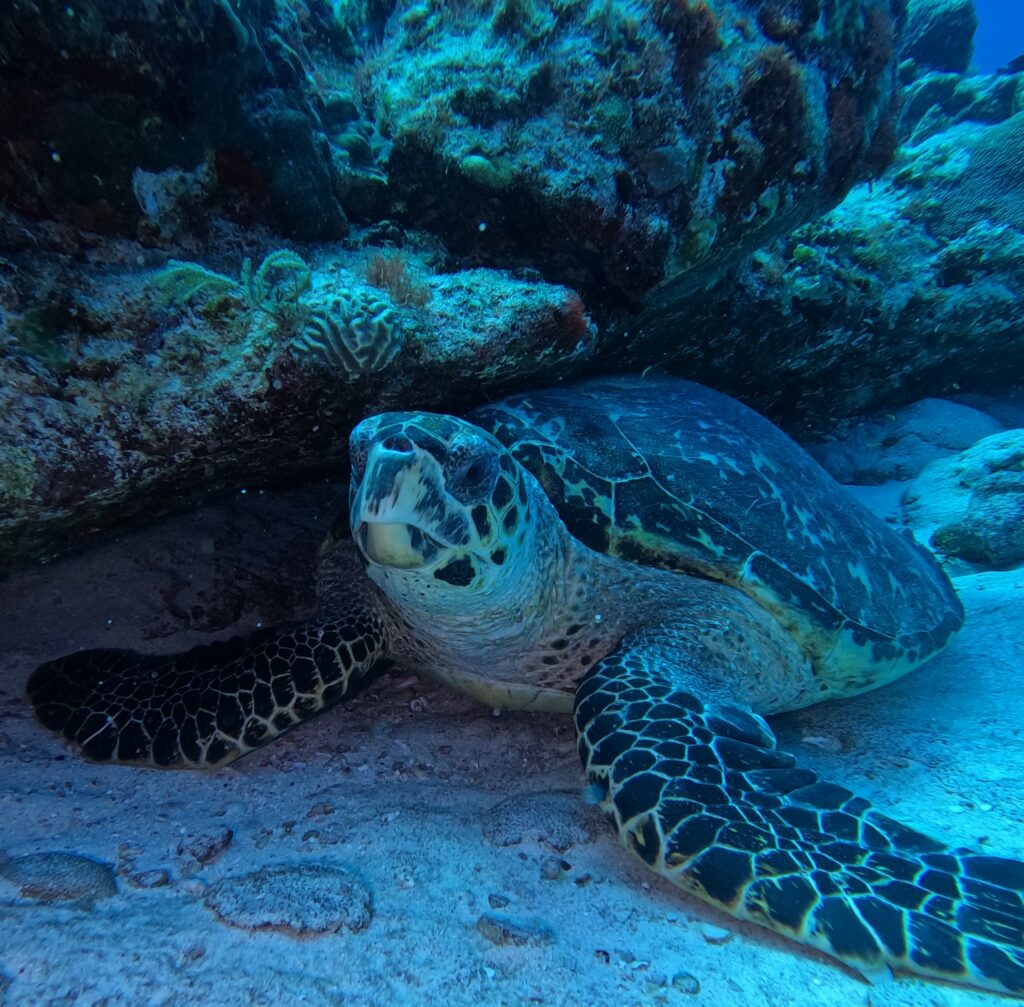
[665, 472]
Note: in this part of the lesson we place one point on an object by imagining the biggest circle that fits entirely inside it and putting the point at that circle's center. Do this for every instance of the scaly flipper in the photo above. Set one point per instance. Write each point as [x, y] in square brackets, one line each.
[209, 705]
[700, 793]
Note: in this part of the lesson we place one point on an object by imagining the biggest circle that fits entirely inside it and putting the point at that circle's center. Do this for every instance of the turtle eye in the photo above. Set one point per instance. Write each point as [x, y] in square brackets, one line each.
[476, 472]
[471, 475]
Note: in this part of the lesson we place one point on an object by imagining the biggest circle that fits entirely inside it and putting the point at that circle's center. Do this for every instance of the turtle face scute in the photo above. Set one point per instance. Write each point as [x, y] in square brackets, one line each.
[433, 500]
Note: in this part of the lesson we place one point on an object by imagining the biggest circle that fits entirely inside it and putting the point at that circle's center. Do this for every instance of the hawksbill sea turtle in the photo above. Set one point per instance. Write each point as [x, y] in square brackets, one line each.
[669, 567]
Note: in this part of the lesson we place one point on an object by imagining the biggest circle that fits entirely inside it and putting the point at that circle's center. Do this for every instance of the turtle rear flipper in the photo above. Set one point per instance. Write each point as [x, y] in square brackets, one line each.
[700, 793]
[209, 705]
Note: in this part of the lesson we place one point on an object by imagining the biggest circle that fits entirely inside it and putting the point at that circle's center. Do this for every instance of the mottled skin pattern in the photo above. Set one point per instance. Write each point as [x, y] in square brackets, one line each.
[473, 574]
[208, 706]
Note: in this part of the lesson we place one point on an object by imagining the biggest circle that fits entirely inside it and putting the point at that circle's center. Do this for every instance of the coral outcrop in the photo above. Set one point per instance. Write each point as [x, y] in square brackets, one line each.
[127, 390]
[618, 146]
[971, 505]
[612, 145]
[911, 288]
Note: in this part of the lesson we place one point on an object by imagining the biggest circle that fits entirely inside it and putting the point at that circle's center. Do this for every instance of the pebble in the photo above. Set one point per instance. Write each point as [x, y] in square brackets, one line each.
[496, 901]
[207, 847]
[823, 741]
[715, 935]
[156, 878]
[321, 810]
[686, 983]
[503, 930]
[551, 869]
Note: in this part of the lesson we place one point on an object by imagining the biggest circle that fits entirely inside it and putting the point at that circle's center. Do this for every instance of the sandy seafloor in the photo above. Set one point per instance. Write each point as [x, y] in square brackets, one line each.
[397, 788]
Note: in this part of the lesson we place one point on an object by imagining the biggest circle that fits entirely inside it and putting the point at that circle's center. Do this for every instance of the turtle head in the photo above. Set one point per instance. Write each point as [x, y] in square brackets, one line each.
[436, 504]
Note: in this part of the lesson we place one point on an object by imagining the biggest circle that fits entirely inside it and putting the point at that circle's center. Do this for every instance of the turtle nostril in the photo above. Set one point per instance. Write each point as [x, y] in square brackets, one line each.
[396, 442]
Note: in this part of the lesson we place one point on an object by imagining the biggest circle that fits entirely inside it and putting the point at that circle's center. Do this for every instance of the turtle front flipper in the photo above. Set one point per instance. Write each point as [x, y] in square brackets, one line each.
[699, 792]
[209, 705]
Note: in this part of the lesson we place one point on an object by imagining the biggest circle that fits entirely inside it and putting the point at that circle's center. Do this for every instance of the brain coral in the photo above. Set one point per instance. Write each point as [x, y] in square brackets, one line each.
[357, 332]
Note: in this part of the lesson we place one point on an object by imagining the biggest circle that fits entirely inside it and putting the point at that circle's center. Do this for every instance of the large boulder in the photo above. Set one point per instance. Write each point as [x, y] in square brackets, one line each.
[620, 146]
[897, 446]
[911, 288]
[612, 146]
[125, 391]
[971, 506]
[940, 34]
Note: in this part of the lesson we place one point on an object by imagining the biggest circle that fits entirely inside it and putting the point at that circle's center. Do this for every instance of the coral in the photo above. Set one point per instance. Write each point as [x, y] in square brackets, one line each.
[17, 474]
[773, 96]
[355, 333]
[39, 333]
[875, 51]
[277, 285]
[275, 288]
[694, 30]
[390, 272]
[523, 17]
[770, 140]
[846, 135]
[181, 282]
[787, 20]
[485, 171]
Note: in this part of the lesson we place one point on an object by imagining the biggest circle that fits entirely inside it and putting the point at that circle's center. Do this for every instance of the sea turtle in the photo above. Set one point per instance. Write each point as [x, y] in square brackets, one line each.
[668, 566]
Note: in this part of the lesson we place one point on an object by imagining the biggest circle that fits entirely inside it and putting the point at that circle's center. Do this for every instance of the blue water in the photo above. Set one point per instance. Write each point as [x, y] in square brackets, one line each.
[1000, 35]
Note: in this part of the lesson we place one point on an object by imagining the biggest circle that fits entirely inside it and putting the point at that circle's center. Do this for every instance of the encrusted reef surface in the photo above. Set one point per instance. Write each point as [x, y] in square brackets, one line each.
[911, 287]
[615, 144]
[231, 228]
[125, 390]
[624, 144]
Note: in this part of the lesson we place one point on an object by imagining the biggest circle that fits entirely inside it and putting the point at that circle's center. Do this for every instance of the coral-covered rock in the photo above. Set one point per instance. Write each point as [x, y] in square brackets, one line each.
[991, 534]
[971, 506]
[94, 92]
[611, 145]
[619, 146]
[911, 288]
[124, 391]
[940, 34]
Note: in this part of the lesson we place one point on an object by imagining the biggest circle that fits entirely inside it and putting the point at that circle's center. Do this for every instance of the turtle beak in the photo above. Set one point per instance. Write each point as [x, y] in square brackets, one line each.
[385, 508]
